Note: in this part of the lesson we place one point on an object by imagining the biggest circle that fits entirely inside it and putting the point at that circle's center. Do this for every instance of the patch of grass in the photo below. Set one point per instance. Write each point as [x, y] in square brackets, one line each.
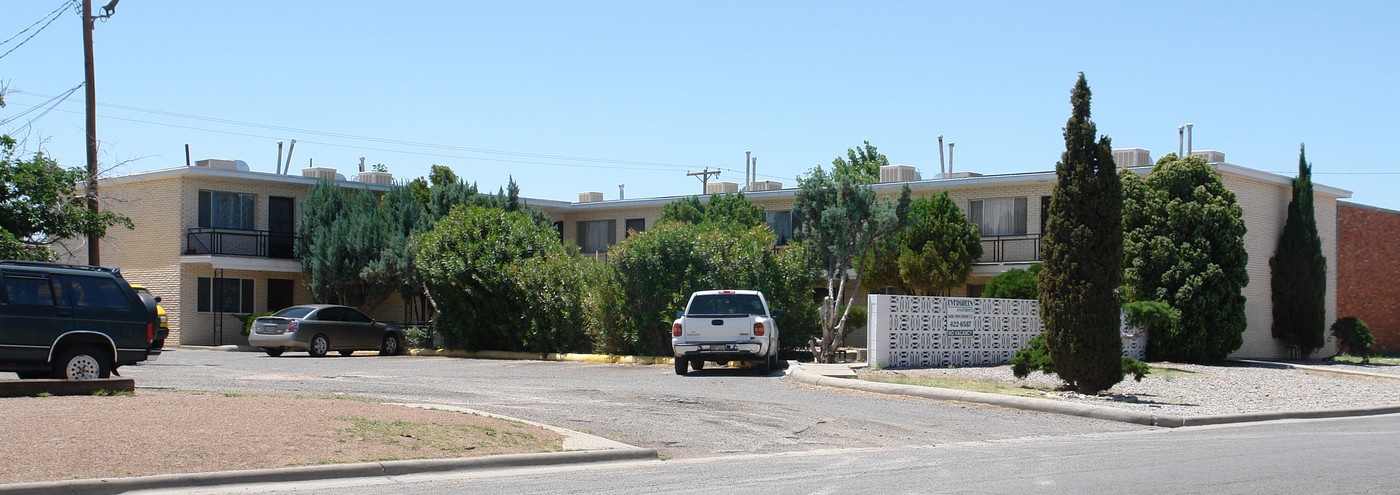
[1169, 374]
[985, 386]
[112, 393]
[43, 394]
[1379, 359]
[436, 436]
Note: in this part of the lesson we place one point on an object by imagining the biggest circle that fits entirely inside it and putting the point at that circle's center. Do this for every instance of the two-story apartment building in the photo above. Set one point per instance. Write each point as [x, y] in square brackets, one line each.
[215, 241]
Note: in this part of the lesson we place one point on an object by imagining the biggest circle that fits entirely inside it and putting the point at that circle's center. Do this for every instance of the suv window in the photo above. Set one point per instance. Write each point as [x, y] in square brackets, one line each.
[97, 293]
[30, 291]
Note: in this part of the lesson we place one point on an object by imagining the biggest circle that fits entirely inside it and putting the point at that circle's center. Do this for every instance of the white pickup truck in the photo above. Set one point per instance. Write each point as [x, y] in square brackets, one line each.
[723, 326]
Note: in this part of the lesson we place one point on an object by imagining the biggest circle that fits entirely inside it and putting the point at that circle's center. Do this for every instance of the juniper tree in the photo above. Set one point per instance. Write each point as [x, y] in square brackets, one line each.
[1083, 248]
[1300, 271]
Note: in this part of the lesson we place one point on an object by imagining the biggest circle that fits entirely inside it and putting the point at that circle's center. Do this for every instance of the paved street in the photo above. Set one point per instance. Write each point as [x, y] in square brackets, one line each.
[705, 414]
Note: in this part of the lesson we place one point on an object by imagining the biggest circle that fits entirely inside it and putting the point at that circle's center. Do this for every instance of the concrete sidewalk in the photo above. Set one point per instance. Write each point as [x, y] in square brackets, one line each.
[826, 376]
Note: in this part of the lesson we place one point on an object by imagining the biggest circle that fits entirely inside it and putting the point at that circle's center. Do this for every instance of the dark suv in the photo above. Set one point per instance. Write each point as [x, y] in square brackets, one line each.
[72, 321]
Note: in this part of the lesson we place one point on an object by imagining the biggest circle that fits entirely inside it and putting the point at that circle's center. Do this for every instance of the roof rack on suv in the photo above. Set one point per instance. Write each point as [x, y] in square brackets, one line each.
[48, 264]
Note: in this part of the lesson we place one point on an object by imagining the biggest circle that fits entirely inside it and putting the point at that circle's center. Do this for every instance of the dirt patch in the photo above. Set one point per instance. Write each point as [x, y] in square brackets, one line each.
[152, 432]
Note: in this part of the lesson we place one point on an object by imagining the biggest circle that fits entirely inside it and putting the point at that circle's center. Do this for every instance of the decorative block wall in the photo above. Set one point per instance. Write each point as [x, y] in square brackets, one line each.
[929, 332]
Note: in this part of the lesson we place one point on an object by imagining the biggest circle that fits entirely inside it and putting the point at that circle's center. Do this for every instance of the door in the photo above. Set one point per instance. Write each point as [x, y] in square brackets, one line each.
[281, 227]
[279, 294]
[103, 306]
[31, 318]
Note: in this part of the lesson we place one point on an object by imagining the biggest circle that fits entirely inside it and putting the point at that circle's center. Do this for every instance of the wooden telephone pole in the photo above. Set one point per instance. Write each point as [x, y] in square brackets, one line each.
[704, 179]
[94, 250]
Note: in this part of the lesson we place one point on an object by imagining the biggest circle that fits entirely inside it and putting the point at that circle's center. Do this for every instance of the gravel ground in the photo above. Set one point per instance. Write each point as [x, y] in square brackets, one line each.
[1210, 390]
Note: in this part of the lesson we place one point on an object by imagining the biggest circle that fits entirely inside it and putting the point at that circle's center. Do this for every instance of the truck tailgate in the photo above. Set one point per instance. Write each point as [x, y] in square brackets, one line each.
[717, 328]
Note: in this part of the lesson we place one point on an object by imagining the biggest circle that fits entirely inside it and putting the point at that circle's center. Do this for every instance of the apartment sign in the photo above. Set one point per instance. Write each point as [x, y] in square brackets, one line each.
[959, 314]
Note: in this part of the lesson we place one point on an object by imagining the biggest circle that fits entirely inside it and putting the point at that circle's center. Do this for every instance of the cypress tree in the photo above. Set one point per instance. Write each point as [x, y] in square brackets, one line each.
[1300, 271]
[1083, 252]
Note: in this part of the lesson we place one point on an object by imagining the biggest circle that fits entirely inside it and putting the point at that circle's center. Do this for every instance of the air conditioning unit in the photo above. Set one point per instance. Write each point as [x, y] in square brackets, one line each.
[376, 178]
[766, 185]
[590, 197]
[898, 173]
[214, 163]
[721, 187]
[319, 173]
[1210, 156]
[1131, 157]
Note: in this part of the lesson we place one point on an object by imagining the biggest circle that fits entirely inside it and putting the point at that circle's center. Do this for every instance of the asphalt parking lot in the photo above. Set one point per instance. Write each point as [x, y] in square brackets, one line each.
[707, 413]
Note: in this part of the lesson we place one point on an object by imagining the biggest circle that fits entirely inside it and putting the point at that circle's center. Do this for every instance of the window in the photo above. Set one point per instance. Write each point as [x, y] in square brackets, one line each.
[96, 293]
[222, 210]
[998, 216]
[224, 295]
[597, 235]
[559, 227]
[636, 225]
[780, 222]
[975, 290]
[31, 291]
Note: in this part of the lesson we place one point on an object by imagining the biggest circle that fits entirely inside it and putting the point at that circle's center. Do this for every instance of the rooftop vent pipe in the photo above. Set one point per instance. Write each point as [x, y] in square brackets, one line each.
[950, 157]
[621, 191]
[1188, 139]
[941, 170]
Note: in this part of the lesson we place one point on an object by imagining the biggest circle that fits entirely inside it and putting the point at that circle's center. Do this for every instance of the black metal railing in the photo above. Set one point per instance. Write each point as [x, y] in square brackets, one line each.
[1003, 248]
[259, 243]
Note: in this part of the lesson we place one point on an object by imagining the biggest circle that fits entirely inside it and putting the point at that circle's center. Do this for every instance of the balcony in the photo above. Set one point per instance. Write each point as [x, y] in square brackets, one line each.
[254, 243]
[1010, 248]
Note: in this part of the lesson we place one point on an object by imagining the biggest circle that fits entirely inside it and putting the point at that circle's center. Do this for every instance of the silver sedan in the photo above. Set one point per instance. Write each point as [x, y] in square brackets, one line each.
[321, 328]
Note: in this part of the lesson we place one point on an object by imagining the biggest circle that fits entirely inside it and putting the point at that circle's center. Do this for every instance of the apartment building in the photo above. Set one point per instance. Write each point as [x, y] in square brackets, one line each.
[214, 240]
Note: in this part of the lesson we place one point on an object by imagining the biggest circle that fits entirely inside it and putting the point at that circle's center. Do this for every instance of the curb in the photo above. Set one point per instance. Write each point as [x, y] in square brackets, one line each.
[333, 471]
[1075, 409]
[1319, 369]
[552, 356]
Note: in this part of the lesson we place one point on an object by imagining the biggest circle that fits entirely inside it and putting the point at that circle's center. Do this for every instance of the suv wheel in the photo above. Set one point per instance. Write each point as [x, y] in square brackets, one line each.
[319, 346]
[83, 362]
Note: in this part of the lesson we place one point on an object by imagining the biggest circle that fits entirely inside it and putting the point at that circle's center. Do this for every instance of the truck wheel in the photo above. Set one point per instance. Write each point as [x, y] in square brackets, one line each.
[697, 364]
[83, 362]
[765, 367]
[680, 365]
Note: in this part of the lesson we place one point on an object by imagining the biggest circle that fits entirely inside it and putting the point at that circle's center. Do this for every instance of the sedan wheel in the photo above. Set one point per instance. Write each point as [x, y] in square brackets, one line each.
[347, 352]
[273, 352]
[390, 346]
[319, 346]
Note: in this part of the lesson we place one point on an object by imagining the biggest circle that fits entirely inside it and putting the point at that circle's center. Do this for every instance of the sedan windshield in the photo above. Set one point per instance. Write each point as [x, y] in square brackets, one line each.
[294, 312]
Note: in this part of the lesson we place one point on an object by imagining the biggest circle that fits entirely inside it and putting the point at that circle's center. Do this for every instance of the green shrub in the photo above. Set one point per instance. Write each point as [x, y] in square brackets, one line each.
[248, 321]
[1036, 357]
[1354, 336]
[857, 320]
[1136, 368]
[417, 338]
[1015, 284]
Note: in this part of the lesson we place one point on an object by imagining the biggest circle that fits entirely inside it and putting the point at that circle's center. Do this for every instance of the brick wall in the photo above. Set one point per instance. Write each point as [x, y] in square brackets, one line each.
[1368, 268]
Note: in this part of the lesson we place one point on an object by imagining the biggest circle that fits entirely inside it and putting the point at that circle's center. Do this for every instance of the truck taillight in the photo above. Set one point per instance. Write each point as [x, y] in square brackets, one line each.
[675, 329]
[757, 329]
[150, 332]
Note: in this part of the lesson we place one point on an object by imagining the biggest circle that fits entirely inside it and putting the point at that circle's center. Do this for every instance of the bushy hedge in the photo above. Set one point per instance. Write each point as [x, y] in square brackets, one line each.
[502, 281]
[1015, 284]
[1354, 336]
[653, 273]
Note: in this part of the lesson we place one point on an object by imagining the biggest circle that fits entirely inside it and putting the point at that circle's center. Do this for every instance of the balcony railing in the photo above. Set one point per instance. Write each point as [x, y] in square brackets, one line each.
[1003, 248]
[259, 243]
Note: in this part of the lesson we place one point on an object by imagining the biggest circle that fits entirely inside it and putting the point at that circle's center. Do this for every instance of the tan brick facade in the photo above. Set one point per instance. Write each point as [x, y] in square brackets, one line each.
[1368, 271]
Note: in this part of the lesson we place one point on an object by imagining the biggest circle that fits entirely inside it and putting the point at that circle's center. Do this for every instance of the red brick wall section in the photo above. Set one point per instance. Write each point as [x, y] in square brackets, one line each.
[1368, 271]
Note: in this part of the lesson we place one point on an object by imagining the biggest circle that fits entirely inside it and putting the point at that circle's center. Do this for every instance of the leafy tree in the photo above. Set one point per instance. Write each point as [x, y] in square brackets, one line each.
[933, 255]
[861, 164]
[1300, 271]
[1015, 283]
[1184, 246]
[485, 268]
[404, 217]
[342, 234]
[726, 208]
[653, 274]
[38, 208]
[1083, 250]
[841, 222]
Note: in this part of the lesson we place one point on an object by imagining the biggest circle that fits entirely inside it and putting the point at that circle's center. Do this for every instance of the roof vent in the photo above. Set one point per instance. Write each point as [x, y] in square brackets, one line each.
[1210, 156]
[721, 187]
[1131, 157]
[898, 173]
[590, 196]
[766, 185]
[223, 164]
[376, 178]
[319, 173]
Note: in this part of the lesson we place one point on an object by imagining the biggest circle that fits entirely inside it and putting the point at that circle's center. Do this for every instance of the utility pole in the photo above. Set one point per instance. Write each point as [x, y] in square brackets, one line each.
[704, 179]
[94, 250]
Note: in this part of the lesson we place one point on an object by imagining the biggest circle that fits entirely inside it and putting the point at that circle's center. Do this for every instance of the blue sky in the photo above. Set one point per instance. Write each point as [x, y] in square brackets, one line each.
[577, 96]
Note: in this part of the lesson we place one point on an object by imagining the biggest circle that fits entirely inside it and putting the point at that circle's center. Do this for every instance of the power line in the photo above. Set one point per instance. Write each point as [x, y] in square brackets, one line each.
[56, 100]
[36, 33]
